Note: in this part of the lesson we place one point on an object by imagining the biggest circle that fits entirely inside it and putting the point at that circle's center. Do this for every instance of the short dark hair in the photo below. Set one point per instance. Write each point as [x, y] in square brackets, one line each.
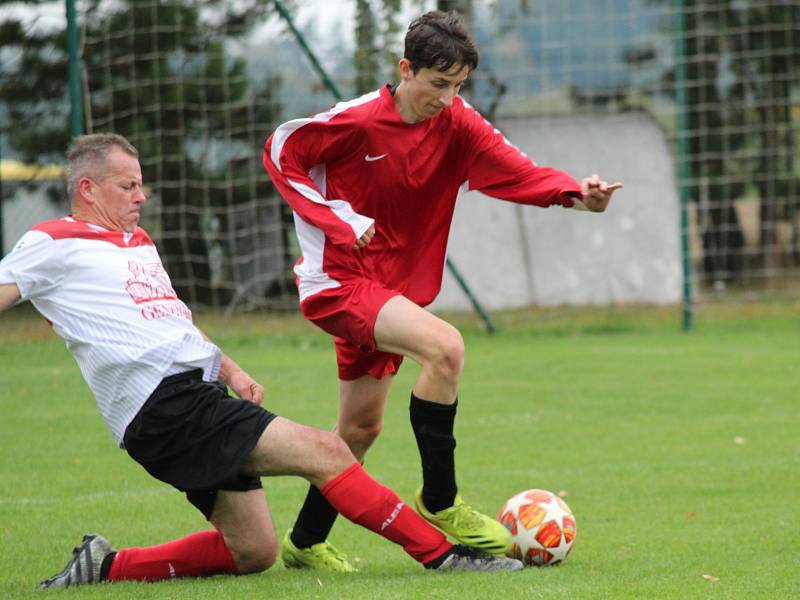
[86, 156]
[438, 40]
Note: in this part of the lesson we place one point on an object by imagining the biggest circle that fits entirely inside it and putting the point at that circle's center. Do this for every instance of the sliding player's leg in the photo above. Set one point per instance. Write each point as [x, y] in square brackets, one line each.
[243, 541]
[323, 458]
[361, 407]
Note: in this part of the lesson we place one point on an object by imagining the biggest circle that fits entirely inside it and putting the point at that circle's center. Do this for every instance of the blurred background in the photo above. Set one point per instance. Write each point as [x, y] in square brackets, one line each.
[694, 105]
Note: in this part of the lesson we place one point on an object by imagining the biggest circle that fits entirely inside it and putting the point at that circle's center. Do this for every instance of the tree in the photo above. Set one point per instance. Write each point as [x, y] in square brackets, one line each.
[377, 36]
[167, 76]
[739, 98]
[33, 91]
[765, 57]
[366, 57]
[722, 236]
[464, 7]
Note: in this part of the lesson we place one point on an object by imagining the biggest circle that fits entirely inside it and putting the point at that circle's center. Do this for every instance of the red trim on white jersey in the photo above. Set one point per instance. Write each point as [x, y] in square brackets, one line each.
[69, 227]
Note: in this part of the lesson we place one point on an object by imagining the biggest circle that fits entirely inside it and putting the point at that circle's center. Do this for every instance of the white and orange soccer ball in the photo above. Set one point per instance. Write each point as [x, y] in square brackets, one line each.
[542, 527]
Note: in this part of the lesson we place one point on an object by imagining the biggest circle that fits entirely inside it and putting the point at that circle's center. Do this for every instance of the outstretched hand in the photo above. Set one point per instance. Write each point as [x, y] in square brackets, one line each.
[246, 387]
[597, 193]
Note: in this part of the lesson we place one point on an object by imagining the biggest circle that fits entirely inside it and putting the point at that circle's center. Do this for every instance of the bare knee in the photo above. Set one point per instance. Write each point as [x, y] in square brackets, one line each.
[254, 556]
[361, 435]
[333, 455]
[256, 560]
[446, 354]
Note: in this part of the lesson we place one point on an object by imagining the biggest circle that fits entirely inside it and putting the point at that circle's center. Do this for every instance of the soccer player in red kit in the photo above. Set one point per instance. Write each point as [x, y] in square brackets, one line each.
[373, 184]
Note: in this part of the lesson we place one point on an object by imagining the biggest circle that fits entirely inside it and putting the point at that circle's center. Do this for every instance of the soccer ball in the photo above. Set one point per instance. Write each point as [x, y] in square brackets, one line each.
[542, 527]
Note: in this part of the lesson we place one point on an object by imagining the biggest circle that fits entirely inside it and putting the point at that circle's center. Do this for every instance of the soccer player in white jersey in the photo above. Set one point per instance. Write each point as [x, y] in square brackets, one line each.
[373, 184]
[160, 387]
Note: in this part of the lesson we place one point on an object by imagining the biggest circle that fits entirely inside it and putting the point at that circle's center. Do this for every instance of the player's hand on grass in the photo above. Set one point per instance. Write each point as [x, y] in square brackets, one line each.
[597, 193]
[246, 387]
[364, 239]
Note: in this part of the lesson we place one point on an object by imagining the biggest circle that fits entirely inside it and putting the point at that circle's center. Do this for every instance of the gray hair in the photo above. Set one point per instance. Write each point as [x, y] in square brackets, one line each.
[87, 157]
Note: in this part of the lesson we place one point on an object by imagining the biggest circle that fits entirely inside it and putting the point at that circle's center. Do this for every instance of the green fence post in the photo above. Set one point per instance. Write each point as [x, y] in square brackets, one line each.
[684, 170]
[2, 200]
[74, 71]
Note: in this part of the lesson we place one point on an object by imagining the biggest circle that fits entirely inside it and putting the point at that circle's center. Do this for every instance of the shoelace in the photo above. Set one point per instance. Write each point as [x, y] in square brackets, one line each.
[465, 516]
[335, 554]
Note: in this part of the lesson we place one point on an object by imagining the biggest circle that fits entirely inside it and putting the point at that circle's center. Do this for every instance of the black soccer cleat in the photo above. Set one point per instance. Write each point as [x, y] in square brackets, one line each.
[464, 558]
[84, 566]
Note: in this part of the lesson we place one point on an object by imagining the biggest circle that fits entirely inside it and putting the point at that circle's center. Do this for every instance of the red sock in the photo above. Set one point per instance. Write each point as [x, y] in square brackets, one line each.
[363, 500]
[202, 553]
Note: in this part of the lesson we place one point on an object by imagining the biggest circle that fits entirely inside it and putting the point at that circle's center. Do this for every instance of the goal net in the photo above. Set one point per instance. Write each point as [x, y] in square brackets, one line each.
[177, 79]
[198, 85]
[722, 79]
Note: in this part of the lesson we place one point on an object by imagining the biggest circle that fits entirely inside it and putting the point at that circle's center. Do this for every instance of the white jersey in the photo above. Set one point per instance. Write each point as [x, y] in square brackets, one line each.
[107, 294]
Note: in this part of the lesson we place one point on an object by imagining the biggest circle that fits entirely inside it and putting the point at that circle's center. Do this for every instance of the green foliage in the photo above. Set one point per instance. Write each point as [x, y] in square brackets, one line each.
[678, 453]
[34, 104]
[171, 77]
[366, 58]
[166, 75]
[379, 43]
[461, 6]
[739, 59]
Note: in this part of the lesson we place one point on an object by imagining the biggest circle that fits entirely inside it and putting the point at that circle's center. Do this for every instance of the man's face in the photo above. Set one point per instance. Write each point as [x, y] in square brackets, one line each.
[118, 193]
[431, 90]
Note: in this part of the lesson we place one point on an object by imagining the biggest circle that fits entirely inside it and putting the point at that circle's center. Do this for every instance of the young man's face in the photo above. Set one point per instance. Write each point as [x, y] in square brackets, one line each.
[430, 90]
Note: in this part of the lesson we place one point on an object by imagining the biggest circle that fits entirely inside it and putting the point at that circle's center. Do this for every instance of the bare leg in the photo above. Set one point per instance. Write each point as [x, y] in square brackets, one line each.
[360, 420]
[286, 448]
[402, 327]
[405, 328]
[361, 407]
[244, 520]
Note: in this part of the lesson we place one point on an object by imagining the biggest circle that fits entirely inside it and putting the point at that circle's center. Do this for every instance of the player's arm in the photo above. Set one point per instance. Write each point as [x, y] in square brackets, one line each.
[33, 269]
[293, 153]
[9, 294]
[236, 378]
[499, 169]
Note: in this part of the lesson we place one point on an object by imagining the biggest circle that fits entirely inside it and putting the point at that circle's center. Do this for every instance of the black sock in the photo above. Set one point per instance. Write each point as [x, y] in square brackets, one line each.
[315, 520]
[105, 568]
[433, 427]
[437, 562]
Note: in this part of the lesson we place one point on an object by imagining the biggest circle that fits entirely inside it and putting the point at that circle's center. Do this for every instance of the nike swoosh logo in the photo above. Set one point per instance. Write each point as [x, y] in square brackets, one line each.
[369, 158]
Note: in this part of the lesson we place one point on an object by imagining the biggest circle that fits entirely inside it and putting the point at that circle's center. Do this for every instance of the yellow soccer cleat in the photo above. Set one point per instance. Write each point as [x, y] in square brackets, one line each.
[320, 557]
[467, 525]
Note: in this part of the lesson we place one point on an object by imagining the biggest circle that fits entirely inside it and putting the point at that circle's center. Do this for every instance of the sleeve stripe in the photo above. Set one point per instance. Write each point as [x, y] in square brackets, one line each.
[342, 209]
[283, 132]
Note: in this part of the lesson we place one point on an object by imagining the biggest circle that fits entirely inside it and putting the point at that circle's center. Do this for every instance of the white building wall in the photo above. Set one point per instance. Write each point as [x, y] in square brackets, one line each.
[513, 256]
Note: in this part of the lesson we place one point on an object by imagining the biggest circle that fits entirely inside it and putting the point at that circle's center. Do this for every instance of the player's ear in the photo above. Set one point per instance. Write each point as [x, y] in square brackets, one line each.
[85, 189]
[405, 69]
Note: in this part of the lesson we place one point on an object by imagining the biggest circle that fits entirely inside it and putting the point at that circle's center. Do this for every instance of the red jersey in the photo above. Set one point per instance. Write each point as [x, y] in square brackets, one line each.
[359, 163]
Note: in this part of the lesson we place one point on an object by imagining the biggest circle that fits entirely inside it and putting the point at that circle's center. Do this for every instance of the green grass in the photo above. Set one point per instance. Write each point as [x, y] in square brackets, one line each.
[635, 420]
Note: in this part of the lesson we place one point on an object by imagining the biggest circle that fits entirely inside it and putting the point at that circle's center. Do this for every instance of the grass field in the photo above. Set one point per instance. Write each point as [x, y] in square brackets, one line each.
[679, 453]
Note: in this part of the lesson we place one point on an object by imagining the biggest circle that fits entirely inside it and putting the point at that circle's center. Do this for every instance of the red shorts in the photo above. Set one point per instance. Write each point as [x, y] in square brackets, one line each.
[348, 313]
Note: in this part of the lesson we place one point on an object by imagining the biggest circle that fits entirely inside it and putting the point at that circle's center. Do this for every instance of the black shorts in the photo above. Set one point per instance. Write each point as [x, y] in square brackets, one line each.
[193, 435]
